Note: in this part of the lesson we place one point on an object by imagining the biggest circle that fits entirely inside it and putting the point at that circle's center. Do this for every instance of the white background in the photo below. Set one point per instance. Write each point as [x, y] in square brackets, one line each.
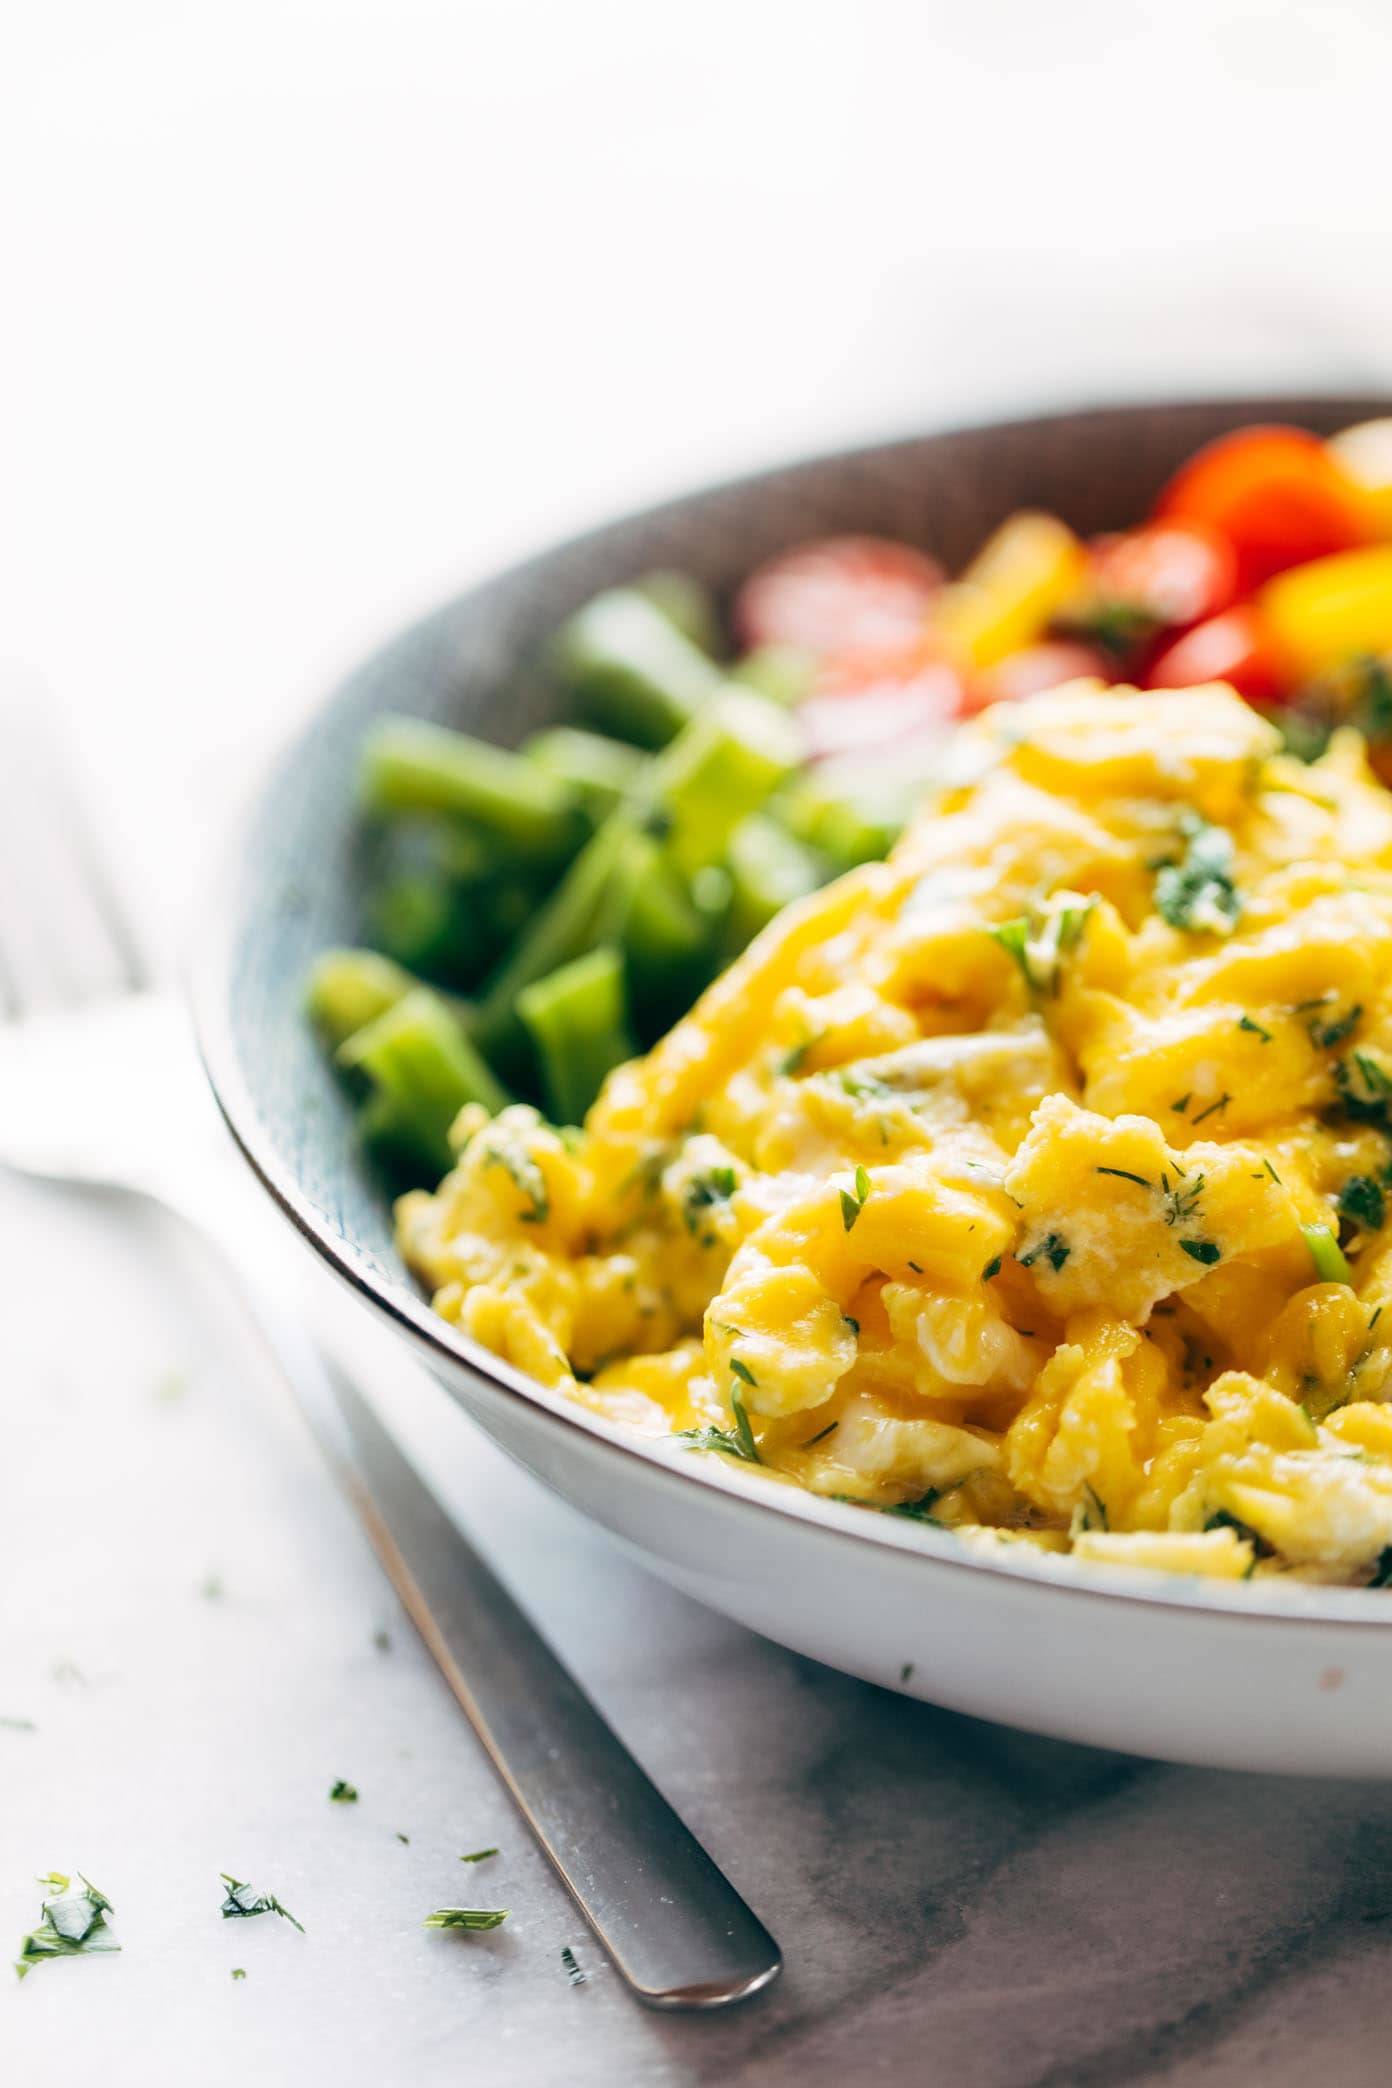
[311, 312]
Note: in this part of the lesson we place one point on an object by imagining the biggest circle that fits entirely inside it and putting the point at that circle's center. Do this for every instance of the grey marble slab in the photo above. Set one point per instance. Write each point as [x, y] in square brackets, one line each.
[187, 1617]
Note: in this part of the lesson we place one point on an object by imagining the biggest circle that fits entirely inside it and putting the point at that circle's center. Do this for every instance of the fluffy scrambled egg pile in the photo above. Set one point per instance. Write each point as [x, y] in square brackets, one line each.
[1032, 1182]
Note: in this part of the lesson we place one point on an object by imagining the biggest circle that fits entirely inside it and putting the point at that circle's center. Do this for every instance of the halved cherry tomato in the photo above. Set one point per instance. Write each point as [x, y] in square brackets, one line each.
[1036, 668]
[839, 596]
[1275, 493]
[1234, 647]
[1166, 572]
[876, 702]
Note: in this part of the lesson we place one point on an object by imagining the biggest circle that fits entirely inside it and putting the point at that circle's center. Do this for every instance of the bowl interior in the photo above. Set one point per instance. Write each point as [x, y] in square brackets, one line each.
[296, 879]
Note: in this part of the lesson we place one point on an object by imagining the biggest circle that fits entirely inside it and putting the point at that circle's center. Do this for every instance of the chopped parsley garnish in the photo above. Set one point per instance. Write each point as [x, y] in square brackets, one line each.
[1362, 1203]
[404, 1839]
[743, 1371]
[916, 1510]
[1364, 1088]
[992, 1268]
[478, 1855]
[1091, 1511]
[731, 1442]
[1221, 1520]
[1326, 1254]
[1181, 1203]
[1326, 1035]
[239, 1971]
[1182, 1103]
[821, 1435]
[858, 1085]
[852, 1206]
[525, 1171]
[703, 1191]
[1124, 1174]
[341, 1793]
[1273, 1174]
[1256, 1028]
[466, 1918]
[243, 1901]
[792, 1061]
[906, 1670]
[1205, 1251]
[72, 1923]
[917, 1268]
[574, 1971]
[1377, 1315]
[1054, 1250]
[1214, 1108]
[1197, 893]
[1040, 943]
[853, 1324]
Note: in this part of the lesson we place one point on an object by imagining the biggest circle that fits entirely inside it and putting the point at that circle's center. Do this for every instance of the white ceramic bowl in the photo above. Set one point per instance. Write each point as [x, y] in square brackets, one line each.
[1263, 1676]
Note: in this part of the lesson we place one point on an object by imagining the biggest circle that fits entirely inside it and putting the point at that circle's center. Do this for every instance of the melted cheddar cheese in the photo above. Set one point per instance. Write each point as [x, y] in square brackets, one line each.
[1032, 1180]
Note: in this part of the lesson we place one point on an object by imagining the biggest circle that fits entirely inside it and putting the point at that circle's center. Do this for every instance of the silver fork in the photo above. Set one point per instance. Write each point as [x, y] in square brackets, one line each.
[100, 1087]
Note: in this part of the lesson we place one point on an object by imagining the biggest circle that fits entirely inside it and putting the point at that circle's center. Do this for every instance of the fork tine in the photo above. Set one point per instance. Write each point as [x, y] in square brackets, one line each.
[63, 936]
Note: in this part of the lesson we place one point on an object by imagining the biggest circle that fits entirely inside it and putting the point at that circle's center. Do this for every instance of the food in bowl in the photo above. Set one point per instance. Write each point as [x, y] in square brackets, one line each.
[1031, 1182]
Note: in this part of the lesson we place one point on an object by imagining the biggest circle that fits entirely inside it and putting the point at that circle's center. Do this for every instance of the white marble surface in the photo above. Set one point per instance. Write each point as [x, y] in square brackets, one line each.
[314, 310]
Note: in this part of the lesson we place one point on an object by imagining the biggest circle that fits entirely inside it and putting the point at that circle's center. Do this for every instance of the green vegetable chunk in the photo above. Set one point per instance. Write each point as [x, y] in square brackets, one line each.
[578, 1017]
[768, 868]
[630, 670]
[725, 765]
[411, 766]
[599, 771]
[350, 988]
[423, 1069]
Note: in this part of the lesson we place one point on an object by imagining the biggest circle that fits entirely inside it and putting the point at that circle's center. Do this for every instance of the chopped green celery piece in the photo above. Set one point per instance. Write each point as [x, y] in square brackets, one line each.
[423, 1069]
[350, 988]
[563, 929]
[854, 809]
[726, 764]
[599, 770]
[769, 868]
[686, 603]
[578, 1019]
[631, 671]
[783, 673]
[411, 766]
[667, 939]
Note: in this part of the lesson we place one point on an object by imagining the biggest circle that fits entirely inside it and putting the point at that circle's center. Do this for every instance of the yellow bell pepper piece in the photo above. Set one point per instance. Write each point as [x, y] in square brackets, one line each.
[1364, 454]
[1017, 583]
[1332, 609]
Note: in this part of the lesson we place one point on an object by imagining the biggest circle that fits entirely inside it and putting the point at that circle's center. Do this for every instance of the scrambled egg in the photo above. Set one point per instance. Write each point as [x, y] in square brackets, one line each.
[1032, 1182]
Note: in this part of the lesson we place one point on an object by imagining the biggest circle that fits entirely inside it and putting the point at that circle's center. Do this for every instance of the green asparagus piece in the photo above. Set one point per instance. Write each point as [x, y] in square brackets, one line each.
[350, 988]
[578, 1019]
[423, 1069]
[668, 940]
[783, 673]
[599, 771]
[410, 766]
[769, 868]
[630, 670]
[686, 604]
[561, 930]
[725, 765]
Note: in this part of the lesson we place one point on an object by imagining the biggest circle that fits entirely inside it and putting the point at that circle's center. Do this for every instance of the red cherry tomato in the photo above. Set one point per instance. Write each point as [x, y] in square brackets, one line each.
[839, 596]
[1168, 573]
[1275, 493]
[1036, 668]
[861, 705]
[1233, 648]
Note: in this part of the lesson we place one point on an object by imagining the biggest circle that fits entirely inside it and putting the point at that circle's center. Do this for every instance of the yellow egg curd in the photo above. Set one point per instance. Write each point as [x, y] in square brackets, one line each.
[1031, 1183]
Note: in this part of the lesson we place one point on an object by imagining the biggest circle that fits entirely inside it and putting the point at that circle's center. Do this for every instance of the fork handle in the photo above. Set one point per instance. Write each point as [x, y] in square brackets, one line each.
[674, 1926]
